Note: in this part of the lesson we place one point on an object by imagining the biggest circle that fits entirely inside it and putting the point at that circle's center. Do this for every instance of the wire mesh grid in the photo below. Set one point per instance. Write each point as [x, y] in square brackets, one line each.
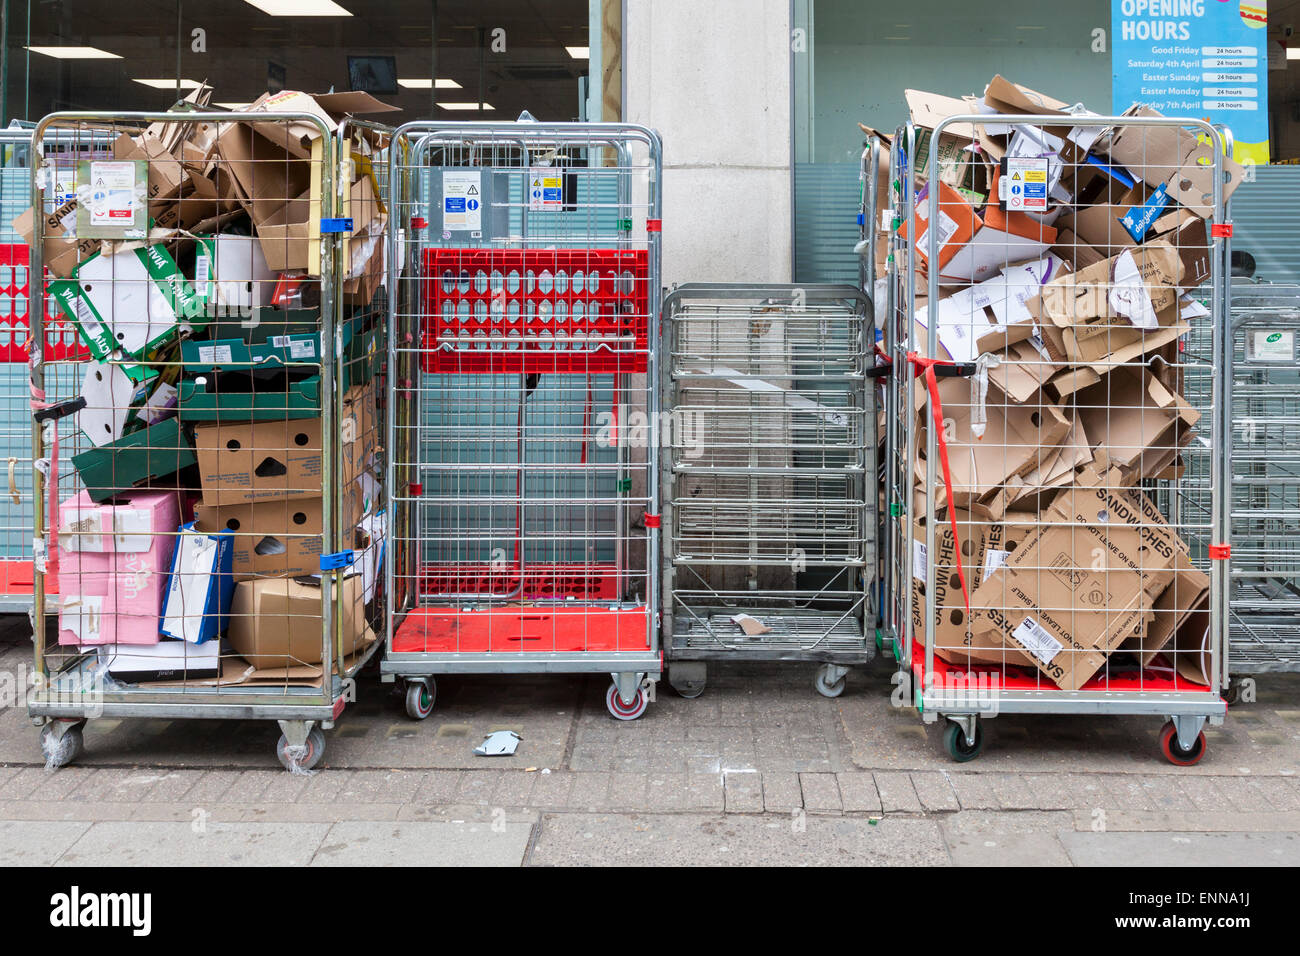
[770, 531]
[1264, 579]
[1059, 547]
[524, 426]
[210, 519]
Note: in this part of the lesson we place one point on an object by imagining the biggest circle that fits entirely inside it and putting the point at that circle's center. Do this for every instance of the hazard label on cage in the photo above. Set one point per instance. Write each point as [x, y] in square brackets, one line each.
[1026, 181]
[462, 201]
[545, 188]
[111, 199]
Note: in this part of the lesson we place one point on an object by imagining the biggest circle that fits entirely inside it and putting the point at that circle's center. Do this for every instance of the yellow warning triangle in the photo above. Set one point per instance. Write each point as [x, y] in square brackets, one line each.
[1016, 176]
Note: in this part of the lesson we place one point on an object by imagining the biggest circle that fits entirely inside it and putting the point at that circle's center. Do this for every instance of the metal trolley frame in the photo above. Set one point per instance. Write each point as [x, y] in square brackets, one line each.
[1264, 580]
[941, 690]
[73, 688]
[524, 421]
[770, 510]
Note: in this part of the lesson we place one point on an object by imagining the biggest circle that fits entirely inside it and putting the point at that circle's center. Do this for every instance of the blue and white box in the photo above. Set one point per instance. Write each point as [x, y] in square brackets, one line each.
[196, 603]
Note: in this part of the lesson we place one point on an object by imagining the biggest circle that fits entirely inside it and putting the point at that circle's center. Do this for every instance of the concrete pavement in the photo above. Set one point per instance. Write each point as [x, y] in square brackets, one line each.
[759, 769]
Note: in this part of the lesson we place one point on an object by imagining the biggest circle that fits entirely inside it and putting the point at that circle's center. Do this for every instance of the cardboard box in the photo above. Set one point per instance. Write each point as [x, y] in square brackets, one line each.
[1095, 312]
[130, 302]
[1084, 583]
[259, 461]
[1139, 423]
[61, 250]
[276, 460]
[959, 167]
[957, 224]
[269, 394]
[266, 179]
[1015, 440]
[109, 393]
[276, 622]
[113, 561]
[983, 548]
[1189, 591]
[275, 538]
[1175, 157]
[242, 281]
[151, 456]
[196, 601]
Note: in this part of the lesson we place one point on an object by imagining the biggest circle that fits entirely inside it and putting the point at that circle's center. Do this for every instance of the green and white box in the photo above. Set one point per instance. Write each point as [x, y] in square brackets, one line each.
[131, 302]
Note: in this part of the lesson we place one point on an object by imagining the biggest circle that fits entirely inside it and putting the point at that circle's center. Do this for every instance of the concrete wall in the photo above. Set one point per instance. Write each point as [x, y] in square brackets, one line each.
[714, 79]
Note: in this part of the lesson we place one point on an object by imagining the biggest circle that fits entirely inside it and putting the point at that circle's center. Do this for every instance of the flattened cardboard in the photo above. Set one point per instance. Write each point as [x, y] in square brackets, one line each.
[1015, 441]
[1136, 420]
[954, 641]
[957, 220]
[1086, 582]
[1189, 591]
[1173, 156]
[61, 250]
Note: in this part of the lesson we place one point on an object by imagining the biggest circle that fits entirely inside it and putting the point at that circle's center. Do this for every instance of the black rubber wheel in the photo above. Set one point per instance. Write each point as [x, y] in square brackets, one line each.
[1174, 752]
[954, 741]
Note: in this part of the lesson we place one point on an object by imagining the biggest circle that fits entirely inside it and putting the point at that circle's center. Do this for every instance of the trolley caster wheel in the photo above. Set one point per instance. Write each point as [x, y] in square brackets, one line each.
[689, 678]
[314, 750]
[61, 750]
[623, 711]
[954, 741]
[419, 699]
[1232, 694]
[1173, 750]
[830, 680]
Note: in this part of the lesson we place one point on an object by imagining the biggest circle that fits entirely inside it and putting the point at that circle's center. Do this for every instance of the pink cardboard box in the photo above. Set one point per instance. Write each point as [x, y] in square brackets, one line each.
[113, 563]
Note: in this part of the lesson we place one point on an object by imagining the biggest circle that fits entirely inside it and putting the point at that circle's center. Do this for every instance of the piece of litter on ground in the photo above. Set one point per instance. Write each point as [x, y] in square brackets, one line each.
[530, 770]
[499, 743]
[546, 770]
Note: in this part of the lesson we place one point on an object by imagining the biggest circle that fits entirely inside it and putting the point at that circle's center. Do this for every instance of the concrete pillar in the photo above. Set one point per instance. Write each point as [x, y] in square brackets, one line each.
[714, 79]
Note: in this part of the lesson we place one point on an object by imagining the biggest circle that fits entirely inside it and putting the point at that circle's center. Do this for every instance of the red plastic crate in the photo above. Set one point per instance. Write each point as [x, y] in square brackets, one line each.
[472, 323]
[61, 341]
[541, 582]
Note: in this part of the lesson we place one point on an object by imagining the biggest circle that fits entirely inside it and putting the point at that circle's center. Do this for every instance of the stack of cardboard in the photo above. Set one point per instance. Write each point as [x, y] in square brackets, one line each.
[190, 265]
[1066, 256]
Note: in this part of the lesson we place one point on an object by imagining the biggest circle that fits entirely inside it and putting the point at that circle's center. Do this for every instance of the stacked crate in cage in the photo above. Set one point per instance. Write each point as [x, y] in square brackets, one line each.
[1045, 365]
[219, 475]
[768, 521]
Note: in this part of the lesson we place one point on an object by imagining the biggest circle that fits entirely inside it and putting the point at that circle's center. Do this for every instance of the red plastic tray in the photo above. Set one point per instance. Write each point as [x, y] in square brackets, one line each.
[1024, 678]
[593, 318]
[61, 341]
[541, 582]
[505, 630]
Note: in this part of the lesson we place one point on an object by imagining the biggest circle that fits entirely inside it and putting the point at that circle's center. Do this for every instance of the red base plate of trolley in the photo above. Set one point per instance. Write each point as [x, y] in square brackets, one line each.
[965, 695]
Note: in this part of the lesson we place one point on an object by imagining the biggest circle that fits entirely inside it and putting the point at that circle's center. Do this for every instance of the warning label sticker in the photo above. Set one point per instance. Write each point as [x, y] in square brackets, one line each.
[1026, 184]
[545, 188]
[462, 201]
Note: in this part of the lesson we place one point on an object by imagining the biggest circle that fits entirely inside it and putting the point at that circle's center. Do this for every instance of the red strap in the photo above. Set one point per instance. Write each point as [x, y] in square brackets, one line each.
[936, 410]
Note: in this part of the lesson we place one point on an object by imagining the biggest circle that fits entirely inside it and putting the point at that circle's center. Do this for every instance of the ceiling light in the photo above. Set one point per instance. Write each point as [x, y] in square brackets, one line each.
[170, 84]
[579, 52]
[417, 83]
[74, 52]
[465, 106]
[300, 8]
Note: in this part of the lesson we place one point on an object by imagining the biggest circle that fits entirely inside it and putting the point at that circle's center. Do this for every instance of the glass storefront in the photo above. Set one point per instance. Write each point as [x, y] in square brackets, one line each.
[494, 57]
[853, 60]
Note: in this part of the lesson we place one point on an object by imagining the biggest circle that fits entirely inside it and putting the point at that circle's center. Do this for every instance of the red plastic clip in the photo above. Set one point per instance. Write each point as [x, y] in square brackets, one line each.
[1221, 230]
[651, 521]
[419, 222]
[416, 489]
[1220, 552]
[654, 225]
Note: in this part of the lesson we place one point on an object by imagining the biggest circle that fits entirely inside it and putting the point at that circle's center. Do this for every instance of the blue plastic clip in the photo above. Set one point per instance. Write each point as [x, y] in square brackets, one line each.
[862, 220]
[339, 559]
[335, 225]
